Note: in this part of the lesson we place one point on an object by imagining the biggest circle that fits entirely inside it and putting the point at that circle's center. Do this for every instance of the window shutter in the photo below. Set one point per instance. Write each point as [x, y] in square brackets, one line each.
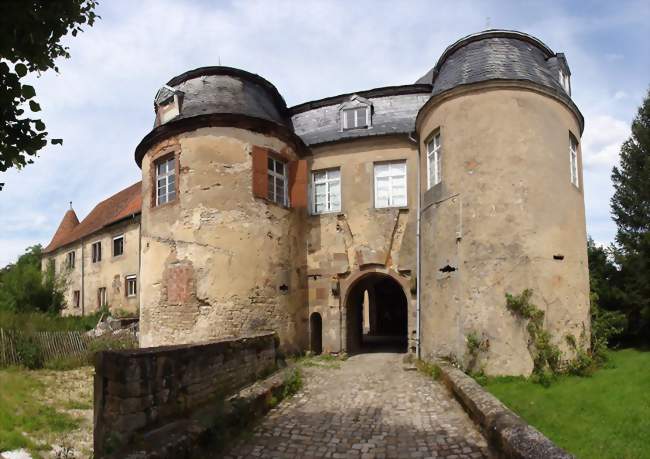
[298, 184]
[260, 172]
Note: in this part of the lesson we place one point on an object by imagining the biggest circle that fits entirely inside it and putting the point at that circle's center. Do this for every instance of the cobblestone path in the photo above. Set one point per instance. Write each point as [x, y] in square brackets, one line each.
[368, 407]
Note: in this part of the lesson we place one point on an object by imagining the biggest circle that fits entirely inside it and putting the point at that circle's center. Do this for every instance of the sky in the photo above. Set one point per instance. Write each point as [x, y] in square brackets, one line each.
[101, 101]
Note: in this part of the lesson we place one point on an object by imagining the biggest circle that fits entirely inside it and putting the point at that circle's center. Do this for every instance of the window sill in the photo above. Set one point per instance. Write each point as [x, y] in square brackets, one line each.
[331, 212]
[392, 207]
[154, 207]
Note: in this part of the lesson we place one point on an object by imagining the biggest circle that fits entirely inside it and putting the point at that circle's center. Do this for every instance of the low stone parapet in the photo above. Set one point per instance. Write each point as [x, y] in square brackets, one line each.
[508, 435]
[140, 390]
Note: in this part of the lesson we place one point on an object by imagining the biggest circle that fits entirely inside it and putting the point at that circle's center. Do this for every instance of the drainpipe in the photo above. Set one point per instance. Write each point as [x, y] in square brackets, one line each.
[82, 292]
[417, 252]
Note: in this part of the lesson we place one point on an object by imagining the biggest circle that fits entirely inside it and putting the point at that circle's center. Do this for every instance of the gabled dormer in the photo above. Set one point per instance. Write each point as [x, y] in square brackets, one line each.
[167, 104]
[355, 113]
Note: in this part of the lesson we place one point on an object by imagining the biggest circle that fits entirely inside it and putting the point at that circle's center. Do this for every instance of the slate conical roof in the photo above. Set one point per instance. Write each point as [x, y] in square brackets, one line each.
[66, 227]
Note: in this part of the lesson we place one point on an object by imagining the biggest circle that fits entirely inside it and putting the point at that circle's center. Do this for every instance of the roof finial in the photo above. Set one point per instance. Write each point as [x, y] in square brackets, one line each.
[487, 23]
[70, 205]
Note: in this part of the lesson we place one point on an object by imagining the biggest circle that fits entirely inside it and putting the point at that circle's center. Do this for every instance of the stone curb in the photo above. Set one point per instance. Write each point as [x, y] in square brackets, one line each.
[508, 435]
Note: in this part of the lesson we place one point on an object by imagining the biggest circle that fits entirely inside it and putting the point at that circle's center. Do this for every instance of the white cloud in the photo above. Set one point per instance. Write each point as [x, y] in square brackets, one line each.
[602, 140]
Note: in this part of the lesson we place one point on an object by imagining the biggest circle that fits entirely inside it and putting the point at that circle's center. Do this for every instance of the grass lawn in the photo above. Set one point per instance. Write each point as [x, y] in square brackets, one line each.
[604, 416]
[40, 408]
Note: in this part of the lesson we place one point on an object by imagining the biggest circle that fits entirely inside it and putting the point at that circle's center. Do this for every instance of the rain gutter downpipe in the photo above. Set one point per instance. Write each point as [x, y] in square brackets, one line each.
[417, 250]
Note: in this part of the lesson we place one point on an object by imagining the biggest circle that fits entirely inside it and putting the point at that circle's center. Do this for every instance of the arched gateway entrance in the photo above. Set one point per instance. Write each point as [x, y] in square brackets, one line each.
[376, 315]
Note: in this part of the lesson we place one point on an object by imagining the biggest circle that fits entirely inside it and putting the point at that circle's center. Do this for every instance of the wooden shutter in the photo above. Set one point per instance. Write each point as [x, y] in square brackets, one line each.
[298, 180]
[260, 172]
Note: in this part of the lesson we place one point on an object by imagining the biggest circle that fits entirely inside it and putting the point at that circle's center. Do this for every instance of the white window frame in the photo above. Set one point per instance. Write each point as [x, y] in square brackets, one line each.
[434, 157]
[102, 297]
[331, 186]
[573, 161]
[274, 177]
[96, 256]
[392, 178]
[121, 236]
[71, 259]
[131, 280]
[565, 81]
[167, 195]
[356, 109]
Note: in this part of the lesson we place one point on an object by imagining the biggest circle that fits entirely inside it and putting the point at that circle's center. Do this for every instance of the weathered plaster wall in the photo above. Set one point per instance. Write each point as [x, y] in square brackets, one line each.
[109, 273]
[217, 262]
[506, 192]
[359, 238]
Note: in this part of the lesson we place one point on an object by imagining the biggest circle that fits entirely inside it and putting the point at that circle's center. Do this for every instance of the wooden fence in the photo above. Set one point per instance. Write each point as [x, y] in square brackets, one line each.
[52, 344]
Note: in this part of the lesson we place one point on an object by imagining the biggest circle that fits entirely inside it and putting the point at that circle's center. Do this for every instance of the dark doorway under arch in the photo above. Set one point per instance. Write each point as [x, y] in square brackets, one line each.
[316, 333]
[376, 315]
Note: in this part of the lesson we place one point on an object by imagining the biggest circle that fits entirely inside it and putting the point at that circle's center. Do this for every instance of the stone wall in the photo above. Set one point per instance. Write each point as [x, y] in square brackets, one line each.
[141, 389]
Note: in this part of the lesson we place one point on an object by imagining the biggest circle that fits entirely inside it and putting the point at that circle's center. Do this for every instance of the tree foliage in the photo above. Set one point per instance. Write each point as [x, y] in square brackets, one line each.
[30, 42]
[24, 287]
[631, 212]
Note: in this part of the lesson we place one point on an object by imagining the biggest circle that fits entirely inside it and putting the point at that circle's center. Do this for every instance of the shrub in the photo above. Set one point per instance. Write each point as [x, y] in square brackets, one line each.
[476, 345]
[429, 369]
[29, 352]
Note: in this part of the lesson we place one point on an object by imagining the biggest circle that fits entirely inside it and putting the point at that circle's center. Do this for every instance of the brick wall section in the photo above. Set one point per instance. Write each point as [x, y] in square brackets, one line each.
[141, 389]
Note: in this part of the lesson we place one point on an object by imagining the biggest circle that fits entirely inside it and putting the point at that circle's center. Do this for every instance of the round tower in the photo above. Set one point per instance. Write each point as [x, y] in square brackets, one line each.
[224, 192]
[502, 199]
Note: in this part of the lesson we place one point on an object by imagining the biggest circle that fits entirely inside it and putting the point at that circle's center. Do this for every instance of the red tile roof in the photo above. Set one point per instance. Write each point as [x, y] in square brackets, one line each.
[118, 207]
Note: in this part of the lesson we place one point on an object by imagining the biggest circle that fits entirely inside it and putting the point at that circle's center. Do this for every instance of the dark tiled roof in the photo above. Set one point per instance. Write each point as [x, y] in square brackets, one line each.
[112, 210]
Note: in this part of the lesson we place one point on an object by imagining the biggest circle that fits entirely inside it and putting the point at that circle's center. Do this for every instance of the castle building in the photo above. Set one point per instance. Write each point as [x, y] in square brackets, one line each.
[397, 216]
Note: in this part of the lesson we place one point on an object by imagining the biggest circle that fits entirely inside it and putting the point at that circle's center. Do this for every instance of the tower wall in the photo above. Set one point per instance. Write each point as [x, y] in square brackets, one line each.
[506, 206]
[217, 261]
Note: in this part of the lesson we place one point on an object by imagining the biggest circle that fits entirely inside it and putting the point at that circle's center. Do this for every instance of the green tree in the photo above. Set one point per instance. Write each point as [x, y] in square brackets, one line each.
[631, 211]
[24, 287]
[30, 42]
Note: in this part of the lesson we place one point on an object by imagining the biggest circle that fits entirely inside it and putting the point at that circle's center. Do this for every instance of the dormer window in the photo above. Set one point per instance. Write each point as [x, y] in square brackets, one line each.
[167, 104]
[356, 113]
[565, 81]
[356, 118]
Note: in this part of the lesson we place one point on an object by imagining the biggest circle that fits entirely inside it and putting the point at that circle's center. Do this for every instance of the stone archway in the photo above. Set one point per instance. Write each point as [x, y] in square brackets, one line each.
[376, 313]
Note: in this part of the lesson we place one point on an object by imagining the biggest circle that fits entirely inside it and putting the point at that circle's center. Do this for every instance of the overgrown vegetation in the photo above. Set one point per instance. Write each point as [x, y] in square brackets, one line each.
[604, 416]
[22, 416]
[477, 345]
[430, 369]
[26, 288]
[103, 343]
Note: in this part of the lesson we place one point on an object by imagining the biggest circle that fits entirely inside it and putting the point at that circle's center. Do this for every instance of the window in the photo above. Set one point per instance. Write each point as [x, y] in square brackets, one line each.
[97, 252]
[101, 297]
[573, 160]
[131, 285]
[565, 82]
[71, 257]
[390, 184]
[434, 157]
[356, 118]
[118, 245]
[327, 191]
[277, 172]
[165, 180]
[76, 298]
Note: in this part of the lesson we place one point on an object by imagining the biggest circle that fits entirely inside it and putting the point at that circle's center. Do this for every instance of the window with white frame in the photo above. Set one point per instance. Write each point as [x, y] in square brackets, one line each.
[118, 245]
[326, 186]
[71, 259]
[102, 299]
[434, 161]
[390, 184]
[356, 118]
[573, 160]
[565, 82]
[277, 172]
[131, 285]
[165, 180]
[97, 252]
